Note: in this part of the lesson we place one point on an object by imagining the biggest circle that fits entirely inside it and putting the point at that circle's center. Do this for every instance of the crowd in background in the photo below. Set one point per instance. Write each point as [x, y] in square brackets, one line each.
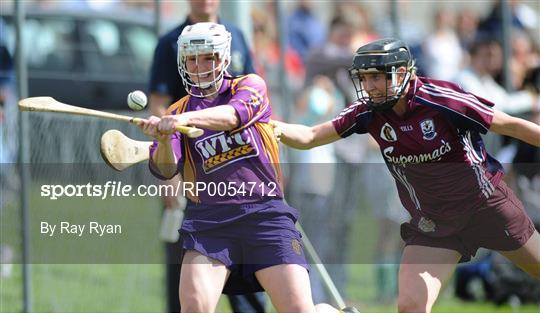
[324, 183]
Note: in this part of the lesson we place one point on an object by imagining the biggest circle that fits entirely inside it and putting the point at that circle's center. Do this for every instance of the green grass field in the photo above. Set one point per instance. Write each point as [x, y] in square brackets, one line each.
[133, 287]
[139, 288]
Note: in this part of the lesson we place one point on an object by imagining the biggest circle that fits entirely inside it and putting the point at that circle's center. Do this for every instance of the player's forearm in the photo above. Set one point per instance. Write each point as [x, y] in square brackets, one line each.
[526, 131]
[222, 117]
[305, 137]
[518, 128]
[296, 136]
[164, 159]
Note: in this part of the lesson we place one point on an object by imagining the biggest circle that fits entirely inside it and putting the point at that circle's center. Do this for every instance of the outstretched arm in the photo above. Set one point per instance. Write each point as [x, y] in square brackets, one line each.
[518, 128]
[304, 137]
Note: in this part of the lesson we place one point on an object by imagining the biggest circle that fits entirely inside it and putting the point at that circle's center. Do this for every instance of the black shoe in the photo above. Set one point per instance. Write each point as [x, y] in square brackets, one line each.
[349, 309]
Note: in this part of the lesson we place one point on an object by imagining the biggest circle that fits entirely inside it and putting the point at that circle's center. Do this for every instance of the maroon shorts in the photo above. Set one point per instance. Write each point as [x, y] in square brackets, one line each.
[501, 225]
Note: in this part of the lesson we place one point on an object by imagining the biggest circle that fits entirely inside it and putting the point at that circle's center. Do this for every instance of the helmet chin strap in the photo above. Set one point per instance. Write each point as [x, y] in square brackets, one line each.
[206, 86]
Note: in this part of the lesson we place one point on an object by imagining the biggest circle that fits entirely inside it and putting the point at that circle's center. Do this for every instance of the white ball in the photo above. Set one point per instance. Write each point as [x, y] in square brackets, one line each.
[137, 100]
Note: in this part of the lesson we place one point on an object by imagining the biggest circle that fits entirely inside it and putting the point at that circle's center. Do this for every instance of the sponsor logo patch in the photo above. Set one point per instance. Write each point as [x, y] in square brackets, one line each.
[388, 133]
[223, 149]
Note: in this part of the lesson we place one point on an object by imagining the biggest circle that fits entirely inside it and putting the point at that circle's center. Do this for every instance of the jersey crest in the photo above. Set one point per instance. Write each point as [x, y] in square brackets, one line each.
[426, 225]
[428, 129]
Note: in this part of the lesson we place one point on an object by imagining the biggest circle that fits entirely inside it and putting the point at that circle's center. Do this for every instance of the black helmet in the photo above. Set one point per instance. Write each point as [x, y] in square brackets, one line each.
[384, 55]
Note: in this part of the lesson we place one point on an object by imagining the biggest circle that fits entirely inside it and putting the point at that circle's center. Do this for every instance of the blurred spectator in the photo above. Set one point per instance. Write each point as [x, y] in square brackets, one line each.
[9, 179]
[466, 28]
[333, 58]
[532, 81]
[98, 5]
[267, 56]
[527, 160]
[305, 30]
[266, 51]
[478, 78]
[166, 87]
[104, 5]
[8, 114]
[523, 18]
[359, 18]
[526, 167]
[442, 50]
[148, 6]
[408, 30]
[6, 67]
[312, 177]
[523, 58]
[479, 269]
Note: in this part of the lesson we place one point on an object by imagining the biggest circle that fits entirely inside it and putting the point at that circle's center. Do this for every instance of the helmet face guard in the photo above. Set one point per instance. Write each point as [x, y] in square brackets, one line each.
[198, 40]
[383, 56]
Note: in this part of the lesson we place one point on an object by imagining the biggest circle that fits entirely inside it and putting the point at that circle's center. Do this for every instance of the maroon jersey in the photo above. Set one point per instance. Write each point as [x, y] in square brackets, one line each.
[434, 151]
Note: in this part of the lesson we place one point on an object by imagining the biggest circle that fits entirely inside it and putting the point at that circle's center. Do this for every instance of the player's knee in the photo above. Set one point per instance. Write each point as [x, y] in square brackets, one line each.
[407, 304]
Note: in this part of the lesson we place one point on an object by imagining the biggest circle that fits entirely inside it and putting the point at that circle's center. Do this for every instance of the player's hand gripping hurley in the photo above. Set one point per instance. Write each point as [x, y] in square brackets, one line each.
[48, 104]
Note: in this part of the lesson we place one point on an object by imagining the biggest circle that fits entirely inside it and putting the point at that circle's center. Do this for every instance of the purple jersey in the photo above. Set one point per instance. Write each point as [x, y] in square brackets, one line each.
[434, 151]
[226, 167]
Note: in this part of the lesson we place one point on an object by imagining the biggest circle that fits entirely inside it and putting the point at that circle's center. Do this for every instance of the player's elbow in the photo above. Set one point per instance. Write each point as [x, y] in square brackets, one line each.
[231, 122]
[162, 171]
[309, 145]
[167, 171]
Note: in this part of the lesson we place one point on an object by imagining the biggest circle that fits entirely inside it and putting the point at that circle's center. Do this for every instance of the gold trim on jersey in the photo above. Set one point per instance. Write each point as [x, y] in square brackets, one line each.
[255, 119]
[189, 173]
[179, 106]
[256, 98]
[271, 148]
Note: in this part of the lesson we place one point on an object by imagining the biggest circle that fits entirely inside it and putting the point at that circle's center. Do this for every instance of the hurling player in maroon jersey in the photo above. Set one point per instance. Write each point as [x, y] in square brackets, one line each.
[429, 135]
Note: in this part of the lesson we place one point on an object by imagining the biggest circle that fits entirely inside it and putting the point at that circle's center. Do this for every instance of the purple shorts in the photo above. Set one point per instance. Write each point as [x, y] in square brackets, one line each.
[501, 225]
[259, 236]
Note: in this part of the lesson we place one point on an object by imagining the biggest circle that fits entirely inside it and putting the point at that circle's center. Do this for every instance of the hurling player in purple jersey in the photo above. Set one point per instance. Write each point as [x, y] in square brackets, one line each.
[238, 234]
[429, 136]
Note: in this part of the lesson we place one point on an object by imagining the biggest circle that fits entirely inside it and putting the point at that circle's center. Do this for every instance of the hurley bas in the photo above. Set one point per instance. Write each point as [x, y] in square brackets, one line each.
[92, 228]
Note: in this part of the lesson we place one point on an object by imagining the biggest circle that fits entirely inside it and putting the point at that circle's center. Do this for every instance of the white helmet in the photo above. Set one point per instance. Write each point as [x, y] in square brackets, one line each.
[204, 38]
